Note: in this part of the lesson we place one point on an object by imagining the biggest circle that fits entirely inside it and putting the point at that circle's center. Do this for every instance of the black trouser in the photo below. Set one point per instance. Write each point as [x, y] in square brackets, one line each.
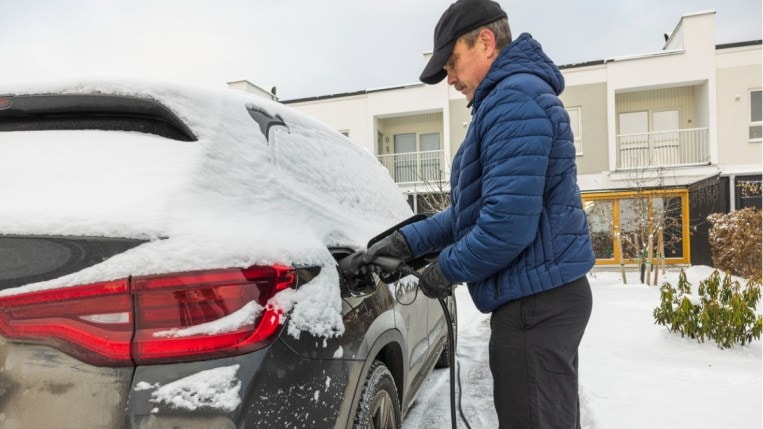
[534, 357]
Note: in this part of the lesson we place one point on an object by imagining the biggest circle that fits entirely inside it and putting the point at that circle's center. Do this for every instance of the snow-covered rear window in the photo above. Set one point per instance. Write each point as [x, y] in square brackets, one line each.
[90, 183]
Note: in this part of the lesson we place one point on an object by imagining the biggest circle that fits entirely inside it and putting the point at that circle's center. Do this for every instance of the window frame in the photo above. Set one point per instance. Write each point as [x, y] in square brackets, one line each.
[421, 141]
[754, 123]
[577, 136]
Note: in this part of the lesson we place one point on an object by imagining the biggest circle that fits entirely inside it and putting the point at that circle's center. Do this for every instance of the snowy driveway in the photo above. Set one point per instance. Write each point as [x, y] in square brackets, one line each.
[633, 373]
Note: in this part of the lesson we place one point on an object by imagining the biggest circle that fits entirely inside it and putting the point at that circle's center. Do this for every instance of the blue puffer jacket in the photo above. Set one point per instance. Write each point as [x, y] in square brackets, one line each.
[516, 225]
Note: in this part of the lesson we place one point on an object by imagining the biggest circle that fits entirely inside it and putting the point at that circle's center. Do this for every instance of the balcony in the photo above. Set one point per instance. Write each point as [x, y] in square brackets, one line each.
[415, 167]
[663, 149]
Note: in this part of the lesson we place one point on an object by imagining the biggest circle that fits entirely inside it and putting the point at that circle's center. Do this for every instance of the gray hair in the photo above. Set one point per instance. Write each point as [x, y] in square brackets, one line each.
[500, 30]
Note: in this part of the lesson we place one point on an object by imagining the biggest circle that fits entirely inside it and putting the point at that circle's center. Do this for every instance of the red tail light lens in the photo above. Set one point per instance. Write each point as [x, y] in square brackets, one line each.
[209, 314]
[153, 319]
[92, 322]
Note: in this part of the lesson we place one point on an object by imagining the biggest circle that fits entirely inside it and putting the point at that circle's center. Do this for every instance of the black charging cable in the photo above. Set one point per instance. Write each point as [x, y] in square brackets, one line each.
[391, 265]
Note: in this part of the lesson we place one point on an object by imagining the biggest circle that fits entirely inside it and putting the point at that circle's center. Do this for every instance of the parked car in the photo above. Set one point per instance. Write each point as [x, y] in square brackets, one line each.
[168, 260]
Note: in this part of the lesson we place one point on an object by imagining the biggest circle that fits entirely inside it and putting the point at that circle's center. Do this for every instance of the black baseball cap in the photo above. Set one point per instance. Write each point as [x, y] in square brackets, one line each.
[460, 18]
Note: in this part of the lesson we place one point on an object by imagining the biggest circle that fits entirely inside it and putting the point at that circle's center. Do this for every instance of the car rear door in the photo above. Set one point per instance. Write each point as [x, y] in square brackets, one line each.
[413, 308]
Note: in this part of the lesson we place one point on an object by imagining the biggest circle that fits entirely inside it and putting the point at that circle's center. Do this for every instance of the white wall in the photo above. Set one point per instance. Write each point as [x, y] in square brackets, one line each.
[347, 113]
[739, 71]
[357, 113]
[691, 60]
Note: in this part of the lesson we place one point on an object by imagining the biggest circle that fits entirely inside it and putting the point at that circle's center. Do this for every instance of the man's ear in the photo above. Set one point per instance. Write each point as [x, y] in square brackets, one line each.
[487, 40]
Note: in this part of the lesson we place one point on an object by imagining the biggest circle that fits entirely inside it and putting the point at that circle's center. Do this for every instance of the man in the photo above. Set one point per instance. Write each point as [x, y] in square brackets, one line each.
[515, 232]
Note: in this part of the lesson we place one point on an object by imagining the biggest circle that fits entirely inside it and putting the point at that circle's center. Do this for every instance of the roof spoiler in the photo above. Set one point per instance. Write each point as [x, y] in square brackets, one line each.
[90, 112]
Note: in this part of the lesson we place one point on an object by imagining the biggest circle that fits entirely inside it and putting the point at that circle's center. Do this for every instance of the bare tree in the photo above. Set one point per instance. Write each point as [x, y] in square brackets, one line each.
[434, 195]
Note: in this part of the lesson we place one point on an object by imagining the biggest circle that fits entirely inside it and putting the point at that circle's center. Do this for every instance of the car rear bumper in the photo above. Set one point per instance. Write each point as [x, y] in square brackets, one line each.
[278, 389]
[41, 387]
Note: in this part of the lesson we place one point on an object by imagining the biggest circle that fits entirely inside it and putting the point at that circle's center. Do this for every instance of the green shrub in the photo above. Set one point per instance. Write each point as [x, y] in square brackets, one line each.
[723, 312]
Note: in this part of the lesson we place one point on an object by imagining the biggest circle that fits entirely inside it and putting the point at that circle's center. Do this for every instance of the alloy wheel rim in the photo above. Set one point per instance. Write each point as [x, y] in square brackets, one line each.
[383, 411]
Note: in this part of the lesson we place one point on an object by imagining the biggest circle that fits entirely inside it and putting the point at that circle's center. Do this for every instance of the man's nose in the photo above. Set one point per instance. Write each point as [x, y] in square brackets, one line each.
[452, 79]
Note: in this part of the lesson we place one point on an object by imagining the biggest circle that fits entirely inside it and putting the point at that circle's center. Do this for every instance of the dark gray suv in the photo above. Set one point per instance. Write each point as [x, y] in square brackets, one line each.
[168, 260]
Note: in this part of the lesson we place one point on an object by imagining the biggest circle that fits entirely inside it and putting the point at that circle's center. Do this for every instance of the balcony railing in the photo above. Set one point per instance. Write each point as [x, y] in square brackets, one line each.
[663, 149]
[415, 167]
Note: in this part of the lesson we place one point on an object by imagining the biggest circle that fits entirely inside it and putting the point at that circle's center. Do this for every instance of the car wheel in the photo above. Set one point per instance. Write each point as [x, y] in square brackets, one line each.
[379, 406]
[444, 360]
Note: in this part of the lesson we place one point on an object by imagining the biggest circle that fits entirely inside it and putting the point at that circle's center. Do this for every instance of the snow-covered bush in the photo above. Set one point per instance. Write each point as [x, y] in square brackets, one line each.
[723, 311]
[735, 240]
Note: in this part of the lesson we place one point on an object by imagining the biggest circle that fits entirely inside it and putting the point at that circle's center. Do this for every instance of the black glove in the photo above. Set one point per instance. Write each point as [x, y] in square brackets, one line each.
[393, 245]
[433, 282]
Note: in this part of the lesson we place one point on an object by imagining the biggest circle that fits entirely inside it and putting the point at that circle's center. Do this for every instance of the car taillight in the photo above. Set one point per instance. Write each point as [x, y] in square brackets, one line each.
[207, 314]
[153, 319]
[91, 322]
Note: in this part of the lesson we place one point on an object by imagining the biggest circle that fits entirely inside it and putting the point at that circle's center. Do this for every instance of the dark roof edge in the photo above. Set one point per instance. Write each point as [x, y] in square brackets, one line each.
[324, 97]
[350, 94]
[719, 46]
[738, 44]
[585, 64]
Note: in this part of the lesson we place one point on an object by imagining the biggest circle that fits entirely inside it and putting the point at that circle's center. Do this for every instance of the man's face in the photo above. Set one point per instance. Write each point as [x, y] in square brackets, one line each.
[467, 66]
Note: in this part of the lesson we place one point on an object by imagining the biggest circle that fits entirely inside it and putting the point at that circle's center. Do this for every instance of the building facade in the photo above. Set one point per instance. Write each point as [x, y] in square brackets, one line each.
[663, 140]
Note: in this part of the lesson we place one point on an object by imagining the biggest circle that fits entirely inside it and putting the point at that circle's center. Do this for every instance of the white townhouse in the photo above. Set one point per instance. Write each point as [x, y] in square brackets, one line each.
[674, 134]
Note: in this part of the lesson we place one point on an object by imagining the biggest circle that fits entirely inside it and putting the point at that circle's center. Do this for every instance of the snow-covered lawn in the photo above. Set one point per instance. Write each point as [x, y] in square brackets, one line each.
[633, 373]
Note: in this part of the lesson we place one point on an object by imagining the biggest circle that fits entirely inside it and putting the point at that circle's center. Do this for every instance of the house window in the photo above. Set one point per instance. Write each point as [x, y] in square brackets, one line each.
[602, 227]
[653, 138]
[405, 158]
[623, 225]
[430, 157]
[634, 139]
[577, 130]
[345, 133]
[756, 118]
[632, 222]
[430, 141]
[417, 157]
[665, 140]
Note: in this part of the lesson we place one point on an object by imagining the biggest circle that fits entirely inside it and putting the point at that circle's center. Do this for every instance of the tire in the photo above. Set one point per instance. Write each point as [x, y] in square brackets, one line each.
[444, 360]
[379, 406]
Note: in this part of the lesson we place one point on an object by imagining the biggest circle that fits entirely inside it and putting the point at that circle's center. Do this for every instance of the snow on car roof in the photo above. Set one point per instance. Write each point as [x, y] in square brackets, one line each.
[230, 199]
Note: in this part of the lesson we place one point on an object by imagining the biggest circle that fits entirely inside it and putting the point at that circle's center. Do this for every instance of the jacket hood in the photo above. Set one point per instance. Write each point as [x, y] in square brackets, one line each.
[523, 55]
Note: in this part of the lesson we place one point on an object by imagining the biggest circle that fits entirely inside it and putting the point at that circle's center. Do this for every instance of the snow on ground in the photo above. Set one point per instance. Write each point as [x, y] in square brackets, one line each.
[633, 373]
